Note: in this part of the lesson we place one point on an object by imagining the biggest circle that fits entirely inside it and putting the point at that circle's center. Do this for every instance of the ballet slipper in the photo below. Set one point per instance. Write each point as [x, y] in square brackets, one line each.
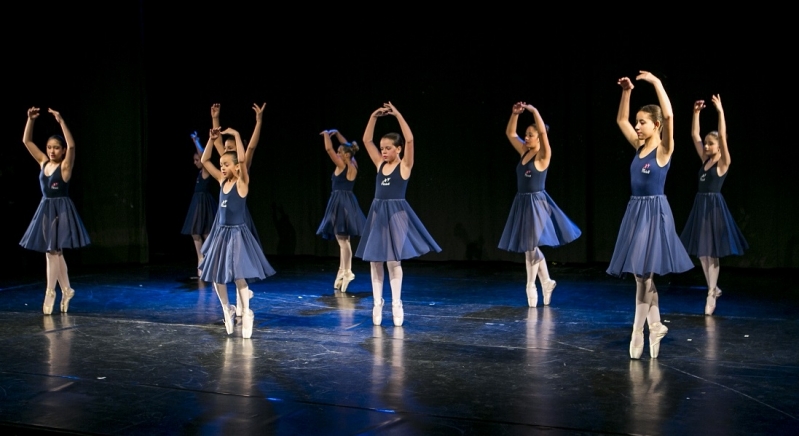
[246, 324]
[377, 312]
[244, 293]
[656, 332]
[49, 300]
[397, 312]
[532, 295]
[637, 350]
[230, 319]
[710, 303]
[346, 278]
[546, 290]
[66, 295]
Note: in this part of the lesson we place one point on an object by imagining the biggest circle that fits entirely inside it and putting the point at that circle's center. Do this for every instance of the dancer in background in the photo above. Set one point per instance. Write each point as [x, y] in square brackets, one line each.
[647, 243]
[392, 231]
[343, 216]
[202, 209]
[711, 232]
[534, 219]
[56, 224]
[231, 253]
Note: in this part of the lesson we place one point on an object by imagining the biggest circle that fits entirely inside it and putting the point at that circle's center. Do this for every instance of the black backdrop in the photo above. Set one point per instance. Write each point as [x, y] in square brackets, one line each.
[133, 80]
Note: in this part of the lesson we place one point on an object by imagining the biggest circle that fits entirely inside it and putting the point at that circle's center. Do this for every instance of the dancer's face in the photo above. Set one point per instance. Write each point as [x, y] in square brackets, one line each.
[644, 126]
[343, 155]
[230, 145]
[55, 150]
[228, 168]
[531, 138]
[197, 161]
[711, 145]
[389, 151]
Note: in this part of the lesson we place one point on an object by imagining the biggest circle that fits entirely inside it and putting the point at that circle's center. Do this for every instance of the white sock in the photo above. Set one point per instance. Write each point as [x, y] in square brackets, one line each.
[377, 281]
[395, 279]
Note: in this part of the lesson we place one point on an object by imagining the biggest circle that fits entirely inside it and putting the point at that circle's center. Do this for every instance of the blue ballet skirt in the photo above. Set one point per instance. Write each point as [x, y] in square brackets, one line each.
[393, 232]
[343, 216]
[231, 253]
[711, 230]
[535, 220]
[55, 225]
[647, 241]
[201, 215]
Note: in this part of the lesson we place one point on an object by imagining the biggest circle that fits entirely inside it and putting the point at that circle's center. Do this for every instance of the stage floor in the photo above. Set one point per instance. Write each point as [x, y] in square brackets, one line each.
[143, 350]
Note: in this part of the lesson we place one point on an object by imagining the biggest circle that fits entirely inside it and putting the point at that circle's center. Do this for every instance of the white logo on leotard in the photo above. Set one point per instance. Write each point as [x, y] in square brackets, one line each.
[224, 203]
[54, 185]
[528, 173]
[702, 178]
[386, 181]
[645, 169]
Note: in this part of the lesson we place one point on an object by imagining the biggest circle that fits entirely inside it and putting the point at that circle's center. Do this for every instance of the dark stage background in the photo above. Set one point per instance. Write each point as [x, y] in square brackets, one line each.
[133, 80]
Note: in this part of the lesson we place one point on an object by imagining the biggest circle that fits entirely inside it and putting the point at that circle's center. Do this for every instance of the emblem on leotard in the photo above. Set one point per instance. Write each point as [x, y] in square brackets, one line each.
[54, 185]
[386, 181]
[224, 203]
[702, 177]
[645, 169]
[528, 173]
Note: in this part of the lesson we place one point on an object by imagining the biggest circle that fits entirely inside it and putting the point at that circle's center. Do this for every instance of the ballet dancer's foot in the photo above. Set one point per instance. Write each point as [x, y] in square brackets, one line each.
[637, 343]
[66, 295]
[656, 332]
[532, 295]
[49, 300]
[346, 278]
[710, 303]
[339, 277]
[230, 319]
[546, 290]
[377, 313]
[246, 324]
[241, 294]
[398, 313]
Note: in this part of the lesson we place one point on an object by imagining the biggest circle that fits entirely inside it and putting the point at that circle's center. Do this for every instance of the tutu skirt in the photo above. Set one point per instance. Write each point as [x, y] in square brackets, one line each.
[711, 230]
[55, 225]
[535, 220]
[200, 217]
[343, 216]
[232, 253]
[647, 241]
[393, 232]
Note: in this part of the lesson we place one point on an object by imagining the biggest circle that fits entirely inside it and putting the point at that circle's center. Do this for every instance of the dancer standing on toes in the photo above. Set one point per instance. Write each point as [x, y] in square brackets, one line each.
[647, 243]
[534, 219]
[392, 231]
[711, 232]
[343, 216]
[231, 253]
[56, 224]
[228, 144]
[202, 210]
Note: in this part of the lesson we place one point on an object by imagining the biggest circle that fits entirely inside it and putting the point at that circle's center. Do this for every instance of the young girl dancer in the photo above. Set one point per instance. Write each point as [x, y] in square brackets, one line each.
[711, 232]
[343, 216]
[647, 243]
[231, 253]
[392, 231]
[56, 224]
[202, 210]
[534, 218]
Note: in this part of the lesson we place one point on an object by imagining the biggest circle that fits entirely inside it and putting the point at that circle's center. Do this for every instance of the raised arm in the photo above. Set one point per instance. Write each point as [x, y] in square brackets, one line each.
[69, 157]
[27, 137]
[510, 130]
[195, 138]
[242, 184]
[213, 134]
[545, 153]
[219, 145]
[667, 131]
[623, 116]
[724, 161]
[695, 135]
[339, 136]
[368, 137]
[408, 150]
[340, 164]
[256, 134]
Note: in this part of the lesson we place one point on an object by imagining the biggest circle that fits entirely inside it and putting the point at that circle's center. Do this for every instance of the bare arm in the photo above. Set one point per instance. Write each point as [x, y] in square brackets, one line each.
[623, 116]
[545, 153]
[409, 151]
[340, 164]
[667, 132]
[368, 135]
[724, 161]
[510, 130]
[195, 139]
[243, 182]
[69, 158]
[27, 137]
[695, 136]
[218, 143]
[206, 157]
[339, 136]
[256, 134]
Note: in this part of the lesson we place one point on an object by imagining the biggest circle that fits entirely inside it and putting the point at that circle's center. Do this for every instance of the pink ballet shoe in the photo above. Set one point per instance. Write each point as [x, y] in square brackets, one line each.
[656, 332]
[66, 295]
[230, 319]
[546, 290]
[339, 277]
[346, 278]
[532, 295]
[710, 303]
[49, 300]
[637, 350]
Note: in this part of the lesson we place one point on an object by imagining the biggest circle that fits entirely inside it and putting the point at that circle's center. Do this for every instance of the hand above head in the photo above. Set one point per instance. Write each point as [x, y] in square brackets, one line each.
[215, 110]
[332, 132]
[229, 131]
[529, 107]
[391, 110]
[325, 132]
[716, 99]
[194, 136]
[647, 77]
[213, 134]
[699, 105]
[259, 112]
[56, 114]
[518, 108]
[33, 113]
[626, 84]
[379, 112]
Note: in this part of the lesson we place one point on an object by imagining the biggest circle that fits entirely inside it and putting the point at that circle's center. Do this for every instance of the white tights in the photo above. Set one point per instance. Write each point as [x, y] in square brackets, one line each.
[710, 266]
[345, 252]
[395, 280]
[241, 285]
[57, 270]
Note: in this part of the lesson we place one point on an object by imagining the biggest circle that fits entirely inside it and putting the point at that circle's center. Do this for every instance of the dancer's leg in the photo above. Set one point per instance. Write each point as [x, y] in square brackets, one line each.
[532, 263]
[63, 282]
[395, 280]
[377, 291]
[227, 310]
[345, 275]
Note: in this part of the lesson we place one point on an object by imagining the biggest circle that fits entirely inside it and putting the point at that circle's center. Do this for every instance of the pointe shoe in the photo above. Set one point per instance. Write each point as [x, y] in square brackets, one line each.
[247, 294]
[65, 297]
[377, 313]
[546, 290]
[637, 350]
[246, 324]
[710, 303]
[230, 320]
[532, 295]
[49, 300]
[339, 276]
[398, 313]
[346, 278]
[656, 332]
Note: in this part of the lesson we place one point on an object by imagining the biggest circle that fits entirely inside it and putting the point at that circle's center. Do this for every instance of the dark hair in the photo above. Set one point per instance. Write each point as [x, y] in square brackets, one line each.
[226, 138]
[714, 134]
[654, 112]
[535, 127]
[60, 139]
[232, 154]
[395, 138]
[349, 147]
